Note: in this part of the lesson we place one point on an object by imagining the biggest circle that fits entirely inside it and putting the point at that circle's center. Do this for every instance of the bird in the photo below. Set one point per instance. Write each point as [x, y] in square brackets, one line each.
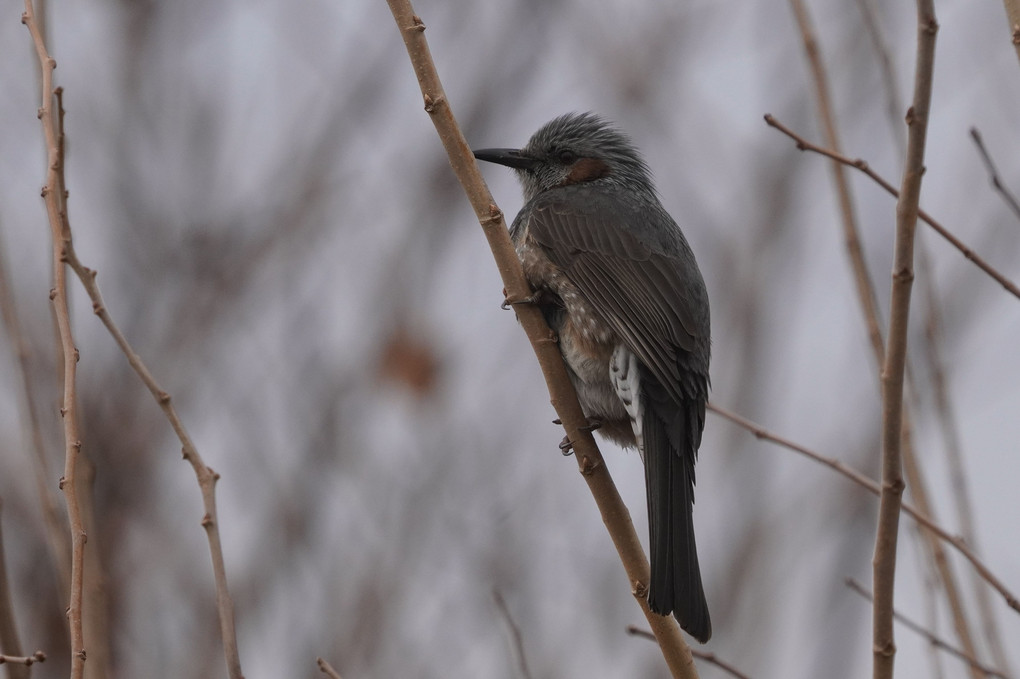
[618, 284]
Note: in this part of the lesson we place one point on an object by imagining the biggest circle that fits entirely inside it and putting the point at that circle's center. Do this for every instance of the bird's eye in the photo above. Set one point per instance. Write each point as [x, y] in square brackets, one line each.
[567, 157]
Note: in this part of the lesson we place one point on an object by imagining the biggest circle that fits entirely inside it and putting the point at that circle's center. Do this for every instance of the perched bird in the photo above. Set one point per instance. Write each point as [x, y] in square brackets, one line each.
[618, 284]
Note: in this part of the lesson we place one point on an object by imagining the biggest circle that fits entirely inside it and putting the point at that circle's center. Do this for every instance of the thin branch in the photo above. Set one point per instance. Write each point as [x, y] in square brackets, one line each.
[869, 306]
[327, 669]
[515, 634]
[933, 639]
[959, 544]
[710, 658]
[561, 391]
[26, 660]
[95, 620]
[1006, 194]
[52, 195]
[64, 253]
[862, 165]
[884, 563]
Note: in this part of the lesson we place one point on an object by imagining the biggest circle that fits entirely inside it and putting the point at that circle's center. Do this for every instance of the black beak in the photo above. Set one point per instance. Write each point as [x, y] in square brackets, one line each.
[514, 158]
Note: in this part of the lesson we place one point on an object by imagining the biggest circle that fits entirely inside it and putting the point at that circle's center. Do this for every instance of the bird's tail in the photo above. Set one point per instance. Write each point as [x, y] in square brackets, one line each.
[670, 438]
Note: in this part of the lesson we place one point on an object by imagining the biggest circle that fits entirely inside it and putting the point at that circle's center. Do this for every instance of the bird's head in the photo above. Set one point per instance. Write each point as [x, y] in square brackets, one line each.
[573, 149]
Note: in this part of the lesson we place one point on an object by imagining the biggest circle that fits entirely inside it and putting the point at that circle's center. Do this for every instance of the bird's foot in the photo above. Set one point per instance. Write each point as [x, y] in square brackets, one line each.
[566, 445]
[508, 301]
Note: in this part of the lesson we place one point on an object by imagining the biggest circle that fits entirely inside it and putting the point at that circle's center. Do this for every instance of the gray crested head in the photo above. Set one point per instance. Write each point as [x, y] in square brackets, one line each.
[572, 149]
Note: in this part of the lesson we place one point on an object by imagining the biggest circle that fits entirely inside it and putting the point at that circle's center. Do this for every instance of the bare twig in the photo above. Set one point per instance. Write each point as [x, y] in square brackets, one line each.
[862, 165]
[761, 433]
[26, 660]
[64, 253]
[515, 634]
[933, 639]
[95, 620]
[564, 399]
[327, 669]
[869, 307]
[53, 197]
[710, 658]
[893, 369]
[1006, 194]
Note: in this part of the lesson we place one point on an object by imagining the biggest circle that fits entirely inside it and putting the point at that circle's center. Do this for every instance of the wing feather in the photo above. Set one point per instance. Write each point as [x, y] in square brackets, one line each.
[639, 284]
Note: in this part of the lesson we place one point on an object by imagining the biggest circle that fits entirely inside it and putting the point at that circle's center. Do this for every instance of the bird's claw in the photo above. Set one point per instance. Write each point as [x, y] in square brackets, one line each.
[509, 301]
[567, 447]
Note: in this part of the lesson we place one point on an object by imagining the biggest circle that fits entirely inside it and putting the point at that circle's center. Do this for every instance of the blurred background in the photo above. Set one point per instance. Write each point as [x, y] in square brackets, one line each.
[278, 232]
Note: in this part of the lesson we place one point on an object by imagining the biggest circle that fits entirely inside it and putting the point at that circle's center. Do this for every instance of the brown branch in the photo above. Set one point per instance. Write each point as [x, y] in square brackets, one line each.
[932, 638]
[327, 669]
[869, 305]
[64, 253]
[710, 658]
[52, 195]
[862, 165]
[26, 660]
[894, 367]
[561, 391]
[997, 184]
[95, 620]
[957, 543]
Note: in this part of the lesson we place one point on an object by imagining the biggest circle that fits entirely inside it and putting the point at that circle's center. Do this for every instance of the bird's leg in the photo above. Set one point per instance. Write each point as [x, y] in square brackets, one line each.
[533, 298]
[566, 445]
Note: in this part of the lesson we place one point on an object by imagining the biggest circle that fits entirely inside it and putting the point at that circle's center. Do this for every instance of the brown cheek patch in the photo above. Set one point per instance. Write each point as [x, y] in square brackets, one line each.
[585, 170]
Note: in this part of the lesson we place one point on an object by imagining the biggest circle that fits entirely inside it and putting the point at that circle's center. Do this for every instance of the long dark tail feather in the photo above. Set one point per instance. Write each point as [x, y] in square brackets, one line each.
[670, 440]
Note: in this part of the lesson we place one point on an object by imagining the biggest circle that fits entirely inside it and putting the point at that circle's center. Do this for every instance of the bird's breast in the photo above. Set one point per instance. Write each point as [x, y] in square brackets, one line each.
[586, 341]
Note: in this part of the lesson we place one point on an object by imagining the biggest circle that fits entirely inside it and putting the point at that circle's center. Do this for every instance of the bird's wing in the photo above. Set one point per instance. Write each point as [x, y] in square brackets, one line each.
[639, 287]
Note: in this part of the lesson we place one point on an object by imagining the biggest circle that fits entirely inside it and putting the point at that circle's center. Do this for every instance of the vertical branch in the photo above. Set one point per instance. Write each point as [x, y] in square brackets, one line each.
[893, 369]
[51, 193]
[63, 254]
[561, 391]
[915, 478]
